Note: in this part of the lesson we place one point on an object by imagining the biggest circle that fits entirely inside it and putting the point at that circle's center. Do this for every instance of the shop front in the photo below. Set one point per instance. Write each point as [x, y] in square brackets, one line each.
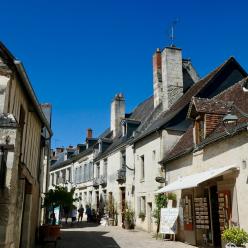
[208, 203]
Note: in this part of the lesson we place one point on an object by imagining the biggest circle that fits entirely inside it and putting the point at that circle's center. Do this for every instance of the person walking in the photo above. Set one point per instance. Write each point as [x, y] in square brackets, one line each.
[73, 215]
[88, 212]
[80, 213]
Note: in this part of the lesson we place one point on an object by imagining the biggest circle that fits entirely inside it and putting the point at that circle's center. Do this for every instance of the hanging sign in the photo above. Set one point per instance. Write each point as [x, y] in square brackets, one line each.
[168, 220]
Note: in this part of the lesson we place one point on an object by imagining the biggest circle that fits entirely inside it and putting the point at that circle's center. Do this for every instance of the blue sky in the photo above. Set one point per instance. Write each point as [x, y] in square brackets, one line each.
[79, 54]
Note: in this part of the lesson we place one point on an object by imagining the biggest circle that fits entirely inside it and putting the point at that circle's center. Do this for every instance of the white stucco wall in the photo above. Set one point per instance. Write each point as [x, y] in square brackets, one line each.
[231, 151]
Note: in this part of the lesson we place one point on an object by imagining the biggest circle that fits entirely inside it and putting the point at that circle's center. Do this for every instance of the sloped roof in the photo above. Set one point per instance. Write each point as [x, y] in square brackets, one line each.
[239, 100]
[184, 101]
[208, 106]
[140, 113]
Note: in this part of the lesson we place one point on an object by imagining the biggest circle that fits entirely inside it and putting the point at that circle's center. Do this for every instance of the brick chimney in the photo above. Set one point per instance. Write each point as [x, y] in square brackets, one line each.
[89, 133]
[167, 76]
[172, 76]
[157, 78]
[117, 113]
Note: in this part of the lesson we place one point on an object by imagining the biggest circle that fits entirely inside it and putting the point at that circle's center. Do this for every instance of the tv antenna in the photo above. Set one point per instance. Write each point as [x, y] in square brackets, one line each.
[172, 31]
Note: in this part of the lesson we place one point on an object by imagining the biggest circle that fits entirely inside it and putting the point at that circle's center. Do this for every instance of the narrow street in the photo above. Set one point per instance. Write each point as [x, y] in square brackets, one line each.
[91, 236]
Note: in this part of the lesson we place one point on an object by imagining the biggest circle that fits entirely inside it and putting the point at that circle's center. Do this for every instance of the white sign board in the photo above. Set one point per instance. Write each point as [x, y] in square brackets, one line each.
[168, 220]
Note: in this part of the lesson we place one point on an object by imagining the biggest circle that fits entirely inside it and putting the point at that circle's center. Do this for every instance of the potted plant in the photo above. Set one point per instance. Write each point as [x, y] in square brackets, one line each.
[235, 237]
[111, 211]
[142, 216]
[128, 218]
[61, 198]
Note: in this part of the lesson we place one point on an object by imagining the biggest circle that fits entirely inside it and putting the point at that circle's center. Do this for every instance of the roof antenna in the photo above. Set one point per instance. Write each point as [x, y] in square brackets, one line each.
[172, 34]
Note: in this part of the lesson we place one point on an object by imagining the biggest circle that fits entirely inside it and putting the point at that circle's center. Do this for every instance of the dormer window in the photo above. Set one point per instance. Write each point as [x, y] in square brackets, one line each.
[199, 130]
[124, 129]
[129, 126]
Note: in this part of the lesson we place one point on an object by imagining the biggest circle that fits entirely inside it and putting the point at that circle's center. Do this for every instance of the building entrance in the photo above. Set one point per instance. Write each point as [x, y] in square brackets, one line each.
[215, 216]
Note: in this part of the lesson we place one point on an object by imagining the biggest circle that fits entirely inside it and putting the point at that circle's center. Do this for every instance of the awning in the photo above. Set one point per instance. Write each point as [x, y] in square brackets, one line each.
[195, 179]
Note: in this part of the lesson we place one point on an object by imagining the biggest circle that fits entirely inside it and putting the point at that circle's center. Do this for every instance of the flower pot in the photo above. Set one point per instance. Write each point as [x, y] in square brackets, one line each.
[231, 245]
[111, 221]
[49, 232]
[127, 224]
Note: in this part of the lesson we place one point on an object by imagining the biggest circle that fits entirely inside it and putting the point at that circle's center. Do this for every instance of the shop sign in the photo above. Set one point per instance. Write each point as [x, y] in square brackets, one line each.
[168, 220]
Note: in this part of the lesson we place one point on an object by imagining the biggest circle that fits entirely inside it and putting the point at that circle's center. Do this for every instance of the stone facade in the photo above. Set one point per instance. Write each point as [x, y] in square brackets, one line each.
[21, 141]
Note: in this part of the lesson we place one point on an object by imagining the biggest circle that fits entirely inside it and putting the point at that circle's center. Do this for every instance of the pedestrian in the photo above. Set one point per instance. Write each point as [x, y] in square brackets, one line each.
[73, 215]
[66, 213]
[88, 212]
[53, 218]
[80, 213]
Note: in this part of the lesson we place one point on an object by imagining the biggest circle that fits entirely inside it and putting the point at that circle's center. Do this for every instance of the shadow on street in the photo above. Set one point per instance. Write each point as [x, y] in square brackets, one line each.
[71, 238]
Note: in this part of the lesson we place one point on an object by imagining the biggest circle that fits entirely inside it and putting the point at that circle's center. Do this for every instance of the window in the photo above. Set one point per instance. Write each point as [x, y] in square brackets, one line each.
[98, 170]
[153, 155]
[105, 167]
[90, 197]
[124, 129]
[199, 131]
[141, 204]
[57, 178]
[68, 178]
[91, 170]
[142, 167]
[85, 170]
[52, 179]
[63, 175]
[123, 159]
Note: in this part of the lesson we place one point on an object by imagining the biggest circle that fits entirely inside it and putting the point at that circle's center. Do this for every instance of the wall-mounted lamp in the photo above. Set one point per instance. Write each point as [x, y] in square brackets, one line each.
[230, 122]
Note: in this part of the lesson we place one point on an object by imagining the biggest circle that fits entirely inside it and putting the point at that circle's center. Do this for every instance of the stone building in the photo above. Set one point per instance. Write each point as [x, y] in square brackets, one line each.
[207, 168]
[24, 140]
[126, 157]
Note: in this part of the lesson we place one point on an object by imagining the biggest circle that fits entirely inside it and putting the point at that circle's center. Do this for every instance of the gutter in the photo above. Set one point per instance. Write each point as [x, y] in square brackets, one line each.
[31, 93]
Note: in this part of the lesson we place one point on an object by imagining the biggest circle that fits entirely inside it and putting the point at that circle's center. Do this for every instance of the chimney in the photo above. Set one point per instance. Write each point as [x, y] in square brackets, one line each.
[172, 76]
[89, 133]
[157, 78]
[117, 113]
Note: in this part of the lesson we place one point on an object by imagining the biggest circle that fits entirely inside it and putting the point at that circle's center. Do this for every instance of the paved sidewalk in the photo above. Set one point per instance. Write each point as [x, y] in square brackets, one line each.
[88, 235]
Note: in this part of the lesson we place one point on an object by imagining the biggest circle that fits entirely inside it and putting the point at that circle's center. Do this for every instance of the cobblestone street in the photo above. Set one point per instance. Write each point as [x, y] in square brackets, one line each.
[91, 236]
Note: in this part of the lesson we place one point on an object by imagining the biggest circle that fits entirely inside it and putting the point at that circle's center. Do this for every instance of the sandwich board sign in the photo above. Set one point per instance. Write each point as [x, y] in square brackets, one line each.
[168, 220]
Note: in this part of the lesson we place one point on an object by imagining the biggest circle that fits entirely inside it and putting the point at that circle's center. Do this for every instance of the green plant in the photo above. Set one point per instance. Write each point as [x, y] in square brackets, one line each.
[235, 235]
[161, 201]
[172, 196]
[129, 215]
[142, 216]
[59, 197]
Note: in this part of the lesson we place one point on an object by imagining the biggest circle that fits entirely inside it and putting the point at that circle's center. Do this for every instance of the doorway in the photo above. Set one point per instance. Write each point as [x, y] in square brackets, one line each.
[215, 216]
[123, 203]
[149, 216]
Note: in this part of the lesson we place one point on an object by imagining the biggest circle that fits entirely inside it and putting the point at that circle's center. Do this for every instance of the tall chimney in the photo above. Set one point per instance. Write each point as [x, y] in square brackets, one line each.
[172, 76]
[117, 113]
[157, 78]
[89, 133]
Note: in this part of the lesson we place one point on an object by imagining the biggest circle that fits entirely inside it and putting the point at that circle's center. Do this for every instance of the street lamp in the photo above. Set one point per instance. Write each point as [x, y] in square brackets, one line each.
[245, 86]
